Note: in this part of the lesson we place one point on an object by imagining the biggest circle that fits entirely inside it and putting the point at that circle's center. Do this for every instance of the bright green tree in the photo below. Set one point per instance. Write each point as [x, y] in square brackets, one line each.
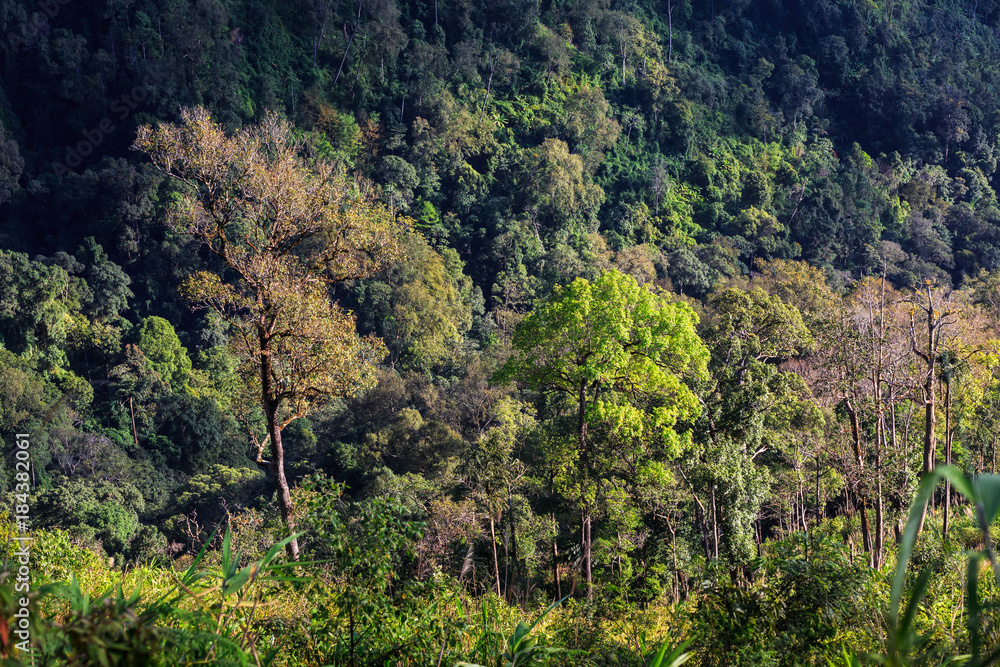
[163, 350]
[622, 354]
[35, 299]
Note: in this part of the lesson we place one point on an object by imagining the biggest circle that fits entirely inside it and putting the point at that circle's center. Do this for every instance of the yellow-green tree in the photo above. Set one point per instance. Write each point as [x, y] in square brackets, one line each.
[285, 226]
[622, 354]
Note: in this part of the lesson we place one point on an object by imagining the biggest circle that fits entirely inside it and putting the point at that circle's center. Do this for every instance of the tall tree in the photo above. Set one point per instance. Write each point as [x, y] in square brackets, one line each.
[321, 12]
[621, 353]
[492, 470]
[937, 312]
[865, 369]
[753, 401]
[285, 227]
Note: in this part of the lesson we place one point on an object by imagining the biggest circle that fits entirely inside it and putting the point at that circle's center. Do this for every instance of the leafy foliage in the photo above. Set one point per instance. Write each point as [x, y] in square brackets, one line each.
[662, 219]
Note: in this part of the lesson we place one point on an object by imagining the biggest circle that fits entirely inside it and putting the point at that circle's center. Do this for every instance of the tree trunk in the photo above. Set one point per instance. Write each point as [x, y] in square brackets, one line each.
[489, 82]
[878, 343]
[715, 527]
[930, 422]
[496, 563]
[317, 40]
[879, 511]
[947, 452]
[800, 501]
[278, 470]
[135, 434]
[866, 532]
[673, 553]
[624, 52]
[555, 558]
[930, 416]
[347, 49]
[270, 406]
[703, 524]
[670, 32]
[817, 488]
[585, 538]
[930, 398]
[993, 463]
[802, 511]
[585, 476]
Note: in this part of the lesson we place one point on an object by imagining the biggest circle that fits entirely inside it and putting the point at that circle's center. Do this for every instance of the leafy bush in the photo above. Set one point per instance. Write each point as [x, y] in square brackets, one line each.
[367, 604]
[801, 607]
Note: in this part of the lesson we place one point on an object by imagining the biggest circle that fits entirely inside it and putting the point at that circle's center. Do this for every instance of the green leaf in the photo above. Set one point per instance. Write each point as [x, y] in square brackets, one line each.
[987, 490]
[676, 658]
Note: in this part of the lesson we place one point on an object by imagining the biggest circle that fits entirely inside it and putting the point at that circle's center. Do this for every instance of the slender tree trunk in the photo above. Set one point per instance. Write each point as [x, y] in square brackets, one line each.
[802, 511]
[284, 495]
[703, 524]
[402, 103]
[347, 49]
[555, 558]
[866, 533]
[893, 441]
[350, 40]
[878, 342]
[930, 415]
[673, 553]
[585, 476]
[135, 434]
[817, 488]
[670, 32]
[317, 40]
[993, 463]
[715, 527]
[758, 535]
[800, 500]
[947, 452]
[930, 398]
[588, 575]
[496, 563]
[700, 515]
[489, 82]
[879, 506]
[270, 407]
[930, 423]
[489, 88]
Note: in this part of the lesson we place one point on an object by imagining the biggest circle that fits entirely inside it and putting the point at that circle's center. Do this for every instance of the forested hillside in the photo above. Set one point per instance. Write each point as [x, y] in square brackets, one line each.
[660, 308]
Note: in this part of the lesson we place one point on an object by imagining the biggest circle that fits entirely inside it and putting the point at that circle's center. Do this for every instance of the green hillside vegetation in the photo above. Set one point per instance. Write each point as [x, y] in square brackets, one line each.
[523, 332]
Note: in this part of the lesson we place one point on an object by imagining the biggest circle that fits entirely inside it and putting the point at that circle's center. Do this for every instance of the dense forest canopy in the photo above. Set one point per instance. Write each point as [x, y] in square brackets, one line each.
[664, 307]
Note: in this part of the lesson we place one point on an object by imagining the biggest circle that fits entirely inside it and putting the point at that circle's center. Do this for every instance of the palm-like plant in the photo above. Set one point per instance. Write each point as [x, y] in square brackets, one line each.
[905, 645]
[233, 594]
[520, 649]
[114, 628]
